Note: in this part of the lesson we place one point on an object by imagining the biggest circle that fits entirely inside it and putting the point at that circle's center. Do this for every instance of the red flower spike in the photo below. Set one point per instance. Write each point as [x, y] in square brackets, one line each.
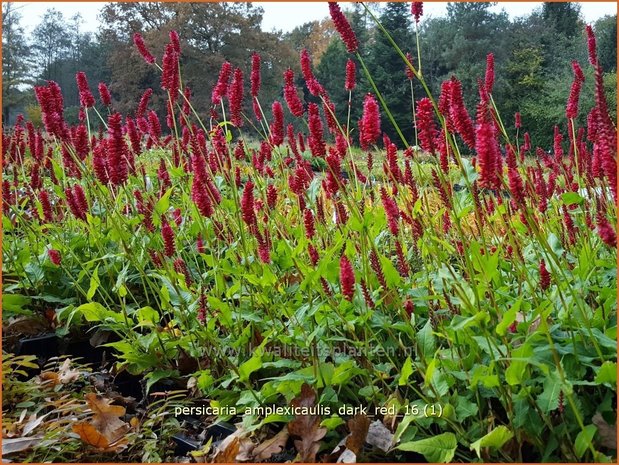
[370, 122]
[54, 256]
[544, 276]
[343, 27]
[236, 98]
[169, 244]
[277, 124]
[290, 94]
[417, 10]
[350, 75]
[138, 40]
[104, 93]
[347, 278]
[86, 98]
[221, 88]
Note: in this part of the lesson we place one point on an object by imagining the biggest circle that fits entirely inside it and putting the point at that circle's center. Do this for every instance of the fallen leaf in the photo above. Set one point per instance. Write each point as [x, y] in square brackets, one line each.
[306, 427]
[11, 446]
[271, 446]
[65, 374]
[379, 436]
[358, 426]
[107, 417]
[91, 436]
[49, 377]
[234, 448]
[227, 453]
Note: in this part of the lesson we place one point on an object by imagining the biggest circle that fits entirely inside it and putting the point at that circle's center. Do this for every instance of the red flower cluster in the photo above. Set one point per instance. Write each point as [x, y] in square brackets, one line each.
[426, 126]
[316, 141]
[277, 124]
[54, 256]
[391, 210]
[417, 10]
[221, 88]
[236, 98]
[544, 276]
[169, 242]
[86, 98]
[343, 28]
[117, 151]
[350, 75]
[138, 40]
[347, 278]
[369, 126]
[571, 110]
[104, 93]
[290, 94]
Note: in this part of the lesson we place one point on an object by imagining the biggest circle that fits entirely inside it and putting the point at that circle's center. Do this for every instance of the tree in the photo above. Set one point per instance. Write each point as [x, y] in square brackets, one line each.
[606, 34]
[315, 36]
[51, 43]
[387, 68]
[210, 33]
[15, 67]
[564, 17]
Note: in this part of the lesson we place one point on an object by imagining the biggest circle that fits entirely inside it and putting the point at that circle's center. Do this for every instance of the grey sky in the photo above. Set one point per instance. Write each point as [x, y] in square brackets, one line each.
[287, 15]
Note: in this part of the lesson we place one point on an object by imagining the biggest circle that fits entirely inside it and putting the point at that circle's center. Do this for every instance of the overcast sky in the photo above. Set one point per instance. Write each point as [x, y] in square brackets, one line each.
[287, 15]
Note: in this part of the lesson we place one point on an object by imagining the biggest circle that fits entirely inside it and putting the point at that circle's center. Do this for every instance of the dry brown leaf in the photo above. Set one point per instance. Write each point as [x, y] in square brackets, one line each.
[234, 448]
[306, 427]
[358, 426]
[228, 453]
[49, 378]
[91, 436]
[107, 417]
[271, 446]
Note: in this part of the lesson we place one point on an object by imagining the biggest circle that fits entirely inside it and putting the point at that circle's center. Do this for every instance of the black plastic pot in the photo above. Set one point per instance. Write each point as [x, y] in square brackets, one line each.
[44, 346]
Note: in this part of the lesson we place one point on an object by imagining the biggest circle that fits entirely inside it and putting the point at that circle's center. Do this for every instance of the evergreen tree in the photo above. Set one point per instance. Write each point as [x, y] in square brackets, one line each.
[15, 66]
[564, 17]
[387, 68]
[606, 33]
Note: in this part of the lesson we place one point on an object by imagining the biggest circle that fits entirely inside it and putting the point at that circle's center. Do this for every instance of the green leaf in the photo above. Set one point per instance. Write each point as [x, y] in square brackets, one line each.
[508, 318]
[158, 375]
[407, 371]
[436, 449]
[425, 340]
[515, 372]
[548, 400]
[465, 408]
[607, 374]
[571, 198]
[459, 322]
[14, 302]
[583, 440]
[147, 316]
[163, 204]
[95, 312]
[495, 439]
[250, 366]
[94, 284]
